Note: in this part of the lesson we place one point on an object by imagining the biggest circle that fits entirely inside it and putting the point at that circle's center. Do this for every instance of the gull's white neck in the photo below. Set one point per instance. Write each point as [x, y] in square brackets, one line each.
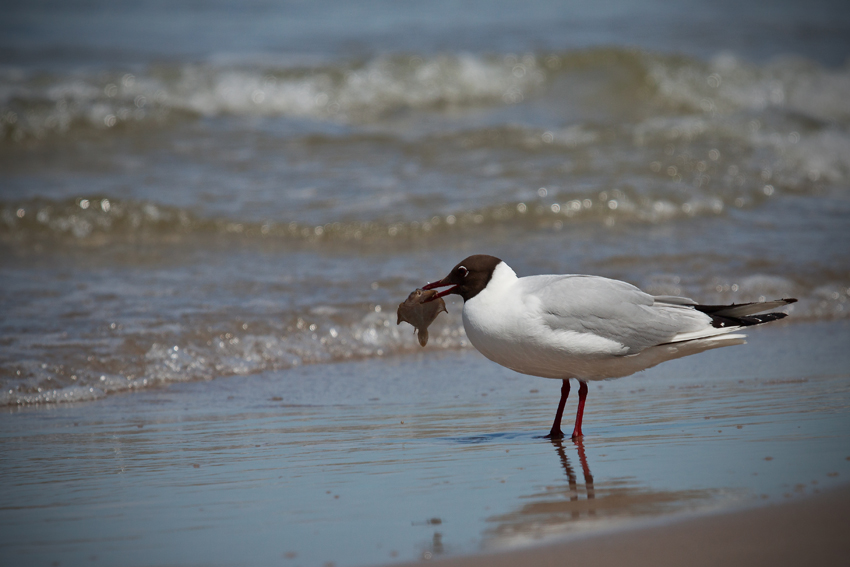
[488, 315]
[502, 279]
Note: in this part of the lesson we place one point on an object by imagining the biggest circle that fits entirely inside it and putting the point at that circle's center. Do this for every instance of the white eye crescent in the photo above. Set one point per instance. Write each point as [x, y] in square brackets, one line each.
[462, 271]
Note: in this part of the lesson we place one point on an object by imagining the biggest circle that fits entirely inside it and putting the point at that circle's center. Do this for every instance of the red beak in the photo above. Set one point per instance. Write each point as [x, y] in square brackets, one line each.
[443, 293]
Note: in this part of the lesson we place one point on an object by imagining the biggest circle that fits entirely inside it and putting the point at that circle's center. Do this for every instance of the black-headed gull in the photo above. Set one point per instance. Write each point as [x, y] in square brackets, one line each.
[586, 327]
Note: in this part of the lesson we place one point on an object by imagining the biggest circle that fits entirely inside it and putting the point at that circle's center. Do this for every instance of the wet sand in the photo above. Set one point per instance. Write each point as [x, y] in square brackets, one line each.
[439, 455]
[808, 531]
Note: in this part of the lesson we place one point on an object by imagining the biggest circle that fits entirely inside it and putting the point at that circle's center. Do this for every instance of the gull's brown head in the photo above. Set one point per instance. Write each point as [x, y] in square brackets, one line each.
[468, 278]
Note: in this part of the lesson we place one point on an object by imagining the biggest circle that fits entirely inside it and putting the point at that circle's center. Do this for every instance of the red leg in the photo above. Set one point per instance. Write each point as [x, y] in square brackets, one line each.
[556, 432]
[582, 394]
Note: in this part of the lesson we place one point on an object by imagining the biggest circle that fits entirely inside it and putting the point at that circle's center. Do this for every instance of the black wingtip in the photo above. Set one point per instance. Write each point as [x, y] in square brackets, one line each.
[744, 314]
[718, 321]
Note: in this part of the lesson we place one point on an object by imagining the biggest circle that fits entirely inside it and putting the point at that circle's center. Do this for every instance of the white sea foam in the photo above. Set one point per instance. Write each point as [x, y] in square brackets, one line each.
[727, 84]
[32, 104]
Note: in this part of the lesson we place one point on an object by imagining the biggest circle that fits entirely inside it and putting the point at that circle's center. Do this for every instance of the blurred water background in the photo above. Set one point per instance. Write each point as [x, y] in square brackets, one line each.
[190, 191]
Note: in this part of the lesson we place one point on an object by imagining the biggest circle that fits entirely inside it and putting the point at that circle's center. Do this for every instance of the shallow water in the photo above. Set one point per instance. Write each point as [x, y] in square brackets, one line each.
[412, 457]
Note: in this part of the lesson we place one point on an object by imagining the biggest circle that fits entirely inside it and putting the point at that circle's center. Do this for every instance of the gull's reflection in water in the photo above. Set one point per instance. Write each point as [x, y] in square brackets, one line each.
[589, 491]
[581, 503]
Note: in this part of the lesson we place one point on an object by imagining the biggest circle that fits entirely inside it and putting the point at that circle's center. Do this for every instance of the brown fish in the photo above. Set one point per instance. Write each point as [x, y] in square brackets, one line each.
[415, 311]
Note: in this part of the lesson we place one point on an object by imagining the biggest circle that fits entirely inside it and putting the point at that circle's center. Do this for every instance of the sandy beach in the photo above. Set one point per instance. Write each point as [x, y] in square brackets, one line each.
[439, 455]
[808, 531]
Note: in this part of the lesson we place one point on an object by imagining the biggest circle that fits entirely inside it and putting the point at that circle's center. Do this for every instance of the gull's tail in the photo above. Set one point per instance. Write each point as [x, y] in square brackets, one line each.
[744, 314]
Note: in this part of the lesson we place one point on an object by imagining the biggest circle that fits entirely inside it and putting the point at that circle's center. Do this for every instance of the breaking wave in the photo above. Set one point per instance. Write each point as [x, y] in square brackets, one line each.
[34, 104]
[324, 334]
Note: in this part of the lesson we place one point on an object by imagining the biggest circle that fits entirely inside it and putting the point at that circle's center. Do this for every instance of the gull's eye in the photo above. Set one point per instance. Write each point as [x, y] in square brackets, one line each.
[462, 271]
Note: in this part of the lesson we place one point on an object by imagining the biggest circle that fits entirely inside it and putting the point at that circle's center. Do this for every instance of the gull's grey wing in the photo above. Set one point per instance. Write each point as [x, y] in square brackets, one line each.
[612, 310]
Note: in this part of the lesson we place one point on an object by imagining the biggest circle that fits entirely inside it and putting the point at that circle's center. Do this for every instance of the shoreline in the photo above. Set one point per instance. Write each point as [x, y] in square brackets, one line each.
[378, 462]
[809, 530]
[65, 397]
